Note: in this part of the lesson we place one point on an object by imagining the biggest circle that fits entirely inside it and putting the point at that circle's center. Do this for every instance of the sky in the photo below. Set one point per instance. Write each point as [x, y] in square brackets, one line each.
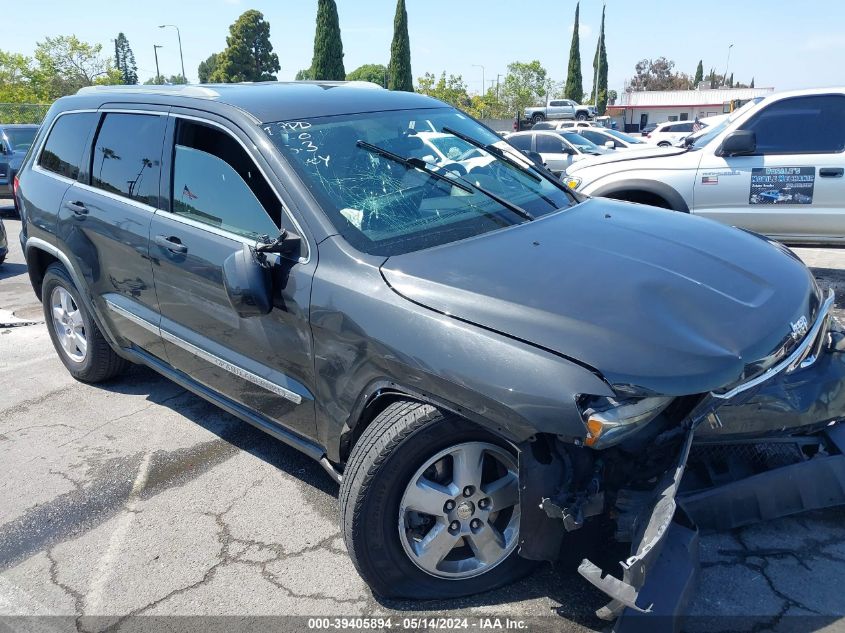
[781, 44]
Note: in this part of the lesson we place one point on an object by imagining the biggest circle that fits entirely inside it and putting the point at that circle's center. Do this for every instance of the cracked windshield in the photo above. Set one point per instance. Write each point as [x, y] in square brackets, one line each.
[395, 182]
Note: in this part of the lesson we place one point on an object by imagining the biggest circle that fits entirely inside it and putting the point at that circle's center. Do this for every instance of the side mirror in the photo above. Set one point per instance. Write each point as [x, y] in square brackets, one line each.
[738, 143]
[288, 243]
[248, 284]
[3, 149]
[610, 145]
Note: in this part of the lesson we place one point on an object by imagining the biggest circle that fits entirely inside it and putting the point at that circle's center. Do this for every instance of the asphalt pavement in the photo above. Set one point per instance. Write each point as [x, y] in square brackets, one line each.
[136, 498]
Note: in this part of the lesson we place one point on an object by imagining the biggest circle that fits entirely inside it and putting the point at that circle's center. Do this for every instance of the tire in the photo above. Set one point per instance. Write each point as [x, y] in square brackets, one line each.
[98, 362]
[537, 118]
[581, 116]
[664, 144]
[387, 458]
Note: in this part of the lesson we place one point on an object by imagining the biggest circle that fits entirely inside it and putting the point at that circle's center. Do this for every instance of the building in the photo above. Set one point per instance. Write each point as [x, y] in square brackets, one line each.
[635, 110]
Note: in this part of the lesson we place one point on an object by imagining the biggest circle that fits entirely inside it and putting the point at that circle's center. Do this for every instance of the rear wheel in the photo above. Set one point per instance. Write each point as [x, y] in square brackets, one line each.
[77, 339]
[664, 144]
[538, 118]
[430, 505]
[581, 116]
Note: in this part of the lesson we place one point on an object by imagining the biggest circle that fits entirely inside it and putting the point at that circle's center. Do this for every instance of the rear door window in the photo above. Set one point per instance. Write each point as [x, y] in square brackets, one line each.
[63, 150]
[522, 142]
[548, 144]
[127, 156]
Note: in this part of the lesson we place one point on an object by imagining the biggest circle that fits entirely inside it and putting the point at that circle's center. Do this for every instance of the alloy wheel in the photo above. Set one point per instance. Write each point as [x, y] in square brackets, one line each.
[459, 514]
[68, 324]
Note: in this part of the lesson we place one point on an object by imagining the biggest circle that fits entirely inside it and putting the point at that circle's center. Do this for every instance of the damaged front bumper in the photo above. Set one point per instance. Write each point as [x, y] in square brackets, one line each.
[762, 450]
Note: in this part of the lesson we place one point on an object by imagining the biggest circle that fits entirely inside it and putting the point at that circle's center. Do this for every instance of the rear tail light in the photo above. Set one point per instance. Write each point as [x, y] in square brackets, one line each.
[15, 184]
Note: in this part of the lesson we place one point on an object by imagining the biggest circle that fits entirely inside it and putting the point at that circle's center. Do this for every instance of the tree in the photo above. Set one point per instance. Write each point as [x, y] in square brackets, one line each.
[600, 71]
[206, 68]
[712, 78]
[65, 64]
[304, 75]
[248, 55]
[451, 89]
[752, 83]
[574, 88]
[375, 73]
[612, 96]
[399, 69]
[699, 74]
[525, 84]
[16, 84]
[124, 60]
[731, 81]
[658, 74]
[328, 47]
[488, 106]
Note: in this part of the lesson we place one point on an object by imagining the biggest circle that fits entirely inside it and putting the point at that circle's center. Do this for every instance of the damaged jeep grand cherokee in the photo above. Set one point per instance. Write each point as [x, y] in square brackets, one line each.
[486, 360]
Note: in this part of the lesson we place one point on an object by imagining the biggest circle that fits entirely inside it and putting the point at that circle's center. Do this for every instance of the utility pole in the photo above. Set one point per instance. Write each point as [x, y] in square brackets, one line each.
[497, 86]
[155, 52]
[179, 37]
[483, 83]
[727, 63]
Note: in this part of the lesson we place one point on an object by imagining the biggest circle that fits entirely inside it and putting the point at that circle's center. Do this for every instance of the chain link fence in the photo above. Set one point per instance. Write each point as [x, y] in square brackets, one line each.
[23, 112]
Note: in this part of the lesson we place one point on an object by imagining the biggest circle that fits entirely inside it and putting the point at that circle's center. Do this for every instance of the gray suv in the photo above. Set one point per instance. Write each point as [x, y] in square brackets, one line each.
[485, 360]
[15, 140]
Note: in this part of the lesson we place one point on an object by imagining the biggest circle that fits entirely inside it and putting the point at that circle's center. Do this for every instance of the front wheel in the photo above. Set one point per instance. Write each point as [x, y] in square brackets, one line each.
[430, 506]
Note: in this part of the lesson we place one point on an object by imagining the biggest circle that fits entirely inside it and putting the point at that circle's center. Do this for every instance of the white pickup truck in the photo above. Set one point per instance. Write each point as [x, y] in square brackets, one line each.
[560, 109]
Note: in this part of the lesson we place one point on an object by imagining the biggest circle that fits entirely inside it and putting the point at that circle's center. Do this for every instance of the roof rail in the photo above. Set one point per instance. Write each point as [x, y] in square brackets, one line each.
[184, 90]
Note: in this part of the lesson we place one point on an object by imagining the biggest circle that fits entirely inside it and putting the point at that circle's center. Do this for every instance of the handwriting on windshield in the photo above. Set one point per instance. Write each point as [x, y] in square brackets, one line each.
[301, 140]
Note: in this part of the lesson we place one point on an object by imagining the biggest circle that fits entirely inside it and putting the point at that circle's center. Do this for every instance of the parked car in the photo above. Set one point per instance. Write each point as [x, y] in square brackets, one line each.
[557, 149]
[670, 133]
[457, 360]
[791, 141]
[15, 140]
[612, 139]
[562, 125]
[4, 245]
[559, 109]
[647, 129]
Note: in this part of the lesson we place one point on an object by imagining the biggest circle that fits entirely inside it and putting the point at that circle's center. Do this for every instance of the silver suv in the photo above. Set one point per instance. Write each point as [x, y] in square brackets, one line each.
[776, 168]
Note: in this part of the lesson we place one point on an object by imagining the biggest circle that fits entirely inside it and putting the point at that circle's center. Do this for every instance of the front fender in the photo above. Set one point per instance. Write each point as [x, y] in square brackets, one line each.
[374, 339]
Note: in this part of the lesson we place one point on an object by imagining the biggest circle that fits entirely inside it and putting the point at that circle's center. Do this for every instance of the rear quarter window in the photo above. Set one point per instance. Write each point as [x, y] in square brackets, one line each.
[65, 144]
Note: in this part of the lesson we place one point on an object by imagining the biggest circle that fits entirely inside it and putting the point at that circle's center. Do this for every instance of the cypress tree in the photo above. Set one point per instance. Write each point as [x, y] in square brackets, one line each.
[399, 70]
[574, 88]
[328, 47]
[600, 70]
[752, 83]
[699, 74]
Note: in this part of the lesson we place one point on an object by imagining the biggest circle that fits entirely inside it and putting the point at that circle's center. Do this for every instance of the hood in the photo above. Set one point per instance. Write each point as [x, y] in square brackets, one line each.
[662, 302]
[632, 154]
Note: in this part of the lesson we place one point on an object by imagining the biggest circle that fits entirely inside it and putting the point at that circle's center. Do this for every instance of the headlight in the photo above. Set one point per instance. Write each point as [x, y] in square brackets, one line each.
[609, 421]
[571, 181]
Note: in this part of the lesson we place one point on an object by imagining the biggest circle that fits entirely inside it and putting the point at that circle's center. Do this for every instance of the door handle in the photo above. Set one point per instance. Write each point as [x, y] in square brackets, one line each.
[831, 172]
[77, 207]
[173, 244]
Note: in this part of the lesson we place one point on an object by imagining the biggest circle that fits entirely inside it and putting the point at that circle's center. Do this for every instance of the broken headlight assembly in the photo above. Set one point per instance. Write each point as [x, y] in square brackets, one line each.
[611, 420]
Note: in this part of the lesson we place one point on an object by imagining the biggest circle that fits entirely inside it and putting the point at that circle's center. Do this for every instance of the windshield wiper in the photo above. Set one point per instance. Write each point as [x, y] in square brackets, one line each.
[452, 178]
[411, 163]
[493, 196]
[492, 149]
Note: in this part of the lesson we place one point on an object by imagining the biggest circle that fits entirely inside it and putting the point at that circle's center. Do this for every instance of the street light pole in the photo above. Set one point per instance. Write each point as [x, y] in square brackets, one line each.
[483, 83]
[155, 52]
[181, 58]
[727, 63]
